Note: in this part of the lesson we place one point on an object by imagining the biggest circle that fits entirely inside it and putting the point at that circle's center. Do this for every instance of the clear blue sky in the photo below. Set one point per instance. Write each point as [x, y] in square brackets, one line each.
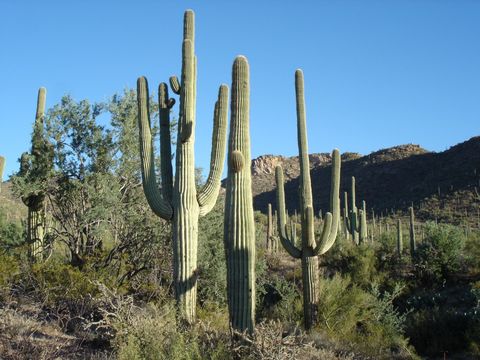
[377, 73]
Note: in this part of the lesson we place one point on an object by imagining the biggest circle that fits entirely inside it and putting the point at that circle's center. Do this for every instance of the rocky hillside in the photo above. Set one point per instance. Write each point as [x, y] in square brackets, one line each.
[441, 185]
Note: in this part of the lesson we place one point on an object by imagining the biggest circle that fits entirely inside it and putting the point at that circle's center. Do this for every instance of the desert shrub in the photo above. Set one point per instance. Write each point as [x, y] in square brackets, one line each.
[279, 299]
[212, 281]
[9, 270]
[366, 320]
[355, 261]
[472, 252]
[443, 320]
[439, 255]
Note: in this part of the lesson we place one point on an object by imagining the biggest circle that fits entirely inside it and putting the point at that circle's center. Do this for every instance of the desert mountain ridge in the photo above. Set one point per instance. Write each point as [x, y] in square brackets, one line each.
[440, 185]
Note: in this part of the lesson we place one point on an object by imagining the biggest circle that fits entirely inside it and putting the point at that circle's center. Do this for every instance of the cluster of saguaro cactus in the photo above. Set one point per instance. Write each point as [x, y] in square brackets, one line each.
[239, 224]
[178, 199]
[2, 165]
[310, 248]
[34, 166]
[355, 219]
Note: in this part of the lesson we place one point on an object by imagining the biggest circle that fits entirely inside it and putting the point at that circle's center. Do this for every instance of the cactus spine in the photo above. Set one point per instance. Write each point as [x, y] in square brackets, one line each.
[399, 239]
[178, 201]
[413, 242]
[310, 249]
[239, 234]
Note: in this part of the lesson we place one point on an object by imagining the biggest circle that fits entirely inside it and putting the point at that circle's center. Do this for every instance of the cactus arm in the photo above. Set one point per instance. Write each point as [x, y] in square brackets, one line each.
[175, 84]
[159, 205]
[334, 198]
[165, 104]
[208, 195]
[323, 244]
[282, 226]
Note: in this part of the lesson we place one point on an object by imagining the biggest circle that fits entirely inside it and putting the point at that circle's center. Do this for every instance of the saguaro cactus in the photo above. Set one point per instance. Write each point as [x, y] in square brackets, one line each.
[399, 239]
[2, 165]
[413, 243]
[355, 219]
[269, 242]
[362, 226]
[35, 167]
[310, 249]
[352, 218]
[239, 234]
[178, 200]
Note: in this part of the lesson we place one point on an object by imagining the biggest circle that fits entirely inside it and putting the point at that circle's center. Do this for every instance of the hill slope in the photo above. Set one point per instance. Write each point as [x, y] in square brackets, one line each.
[441, 185]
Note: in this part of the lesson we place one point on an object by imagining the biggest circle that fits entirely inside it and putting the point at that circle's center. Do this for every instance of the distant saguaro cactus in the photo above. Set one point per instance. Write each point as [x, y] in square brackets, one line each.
[413, 242]
[178, 200]
[270, 240]
[399, 239]
[362, 228]
[239, 234]
[357, 219]
[310, 249]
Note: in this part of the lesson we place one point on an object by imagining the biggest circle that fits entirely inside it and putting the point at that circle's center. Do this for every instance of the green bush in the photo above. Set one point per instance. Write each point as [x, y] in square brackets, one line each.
[359, 262]
[439, 255]
[367, 320]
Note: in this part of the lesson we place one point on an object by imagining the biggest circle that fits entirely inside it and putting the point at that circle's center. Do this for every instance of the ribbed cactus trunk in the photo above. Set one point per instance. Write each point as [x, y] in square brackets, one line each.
[239, 234]
[179, 201]
[310, 249]
[413, 242]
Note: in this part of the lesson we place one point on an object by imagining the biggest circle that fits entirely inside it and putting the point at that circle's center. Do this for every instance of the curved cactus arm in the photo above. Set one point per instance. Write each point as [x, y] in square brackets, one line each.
[165, 104]
[323, 245]
[159, 205]
[282, 226]
[175, 84]
[334, 198]
[209, 193]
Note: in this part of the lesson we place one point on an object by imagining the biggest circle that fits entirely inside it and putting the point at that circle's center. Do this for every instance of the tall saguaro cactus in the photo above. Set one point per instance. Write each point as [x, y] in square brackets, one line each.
[178, 199]
[239, 231]
[35, 166]
[310, 248]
